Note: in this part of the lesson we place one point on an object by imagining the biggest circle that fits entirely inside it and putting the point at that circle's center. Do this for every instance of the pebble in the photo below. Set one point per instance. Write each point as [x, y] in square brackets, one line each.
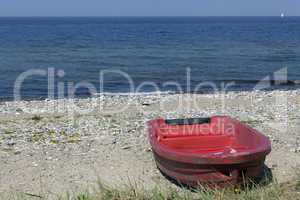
[49, 158]
[79, 130]
[10, 143]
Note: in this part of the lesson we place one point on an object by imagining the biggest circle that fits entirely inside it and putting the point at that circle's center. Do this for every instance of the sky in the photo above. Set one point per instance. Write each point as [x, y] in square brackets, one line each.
[149, 7]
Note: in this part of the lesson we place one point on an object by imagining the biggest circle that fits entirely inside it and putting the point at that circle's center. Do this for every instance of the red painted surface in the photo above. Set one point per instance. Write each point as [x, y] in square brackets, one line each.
[223, 151]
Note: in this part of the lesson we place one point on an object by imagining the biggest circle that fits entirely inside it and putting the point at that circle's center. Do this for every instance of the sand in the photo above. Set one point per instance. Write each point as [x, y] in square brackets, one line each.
[52, 146]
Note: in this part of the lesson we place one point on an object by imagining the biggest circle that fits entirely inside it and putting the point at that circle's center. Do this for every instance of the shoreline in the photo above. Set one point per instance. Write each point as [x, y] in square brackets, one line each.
[132, 99]
[286, 87]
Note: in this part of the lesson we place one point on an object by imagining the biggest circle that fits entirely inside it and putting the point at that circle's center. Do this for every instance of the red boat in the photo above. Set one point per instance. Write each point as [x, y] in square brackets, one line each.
[217, 151]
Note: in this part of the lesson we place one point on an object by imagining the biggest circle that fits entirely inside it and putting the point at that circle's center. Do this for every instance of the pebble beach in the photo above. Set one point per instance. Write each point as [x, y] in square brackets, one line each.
[53, 146]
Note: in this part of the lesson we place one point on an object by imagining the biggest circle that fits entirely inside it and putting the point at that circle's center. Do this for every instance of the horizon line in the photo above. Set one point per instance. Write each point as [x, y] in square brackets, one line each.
[119, 16]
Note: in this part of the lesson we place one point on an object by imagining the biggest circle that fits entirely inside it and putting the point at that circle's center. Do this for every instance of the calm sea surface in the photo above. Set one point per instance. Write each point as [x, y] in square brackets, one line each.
[239, 49]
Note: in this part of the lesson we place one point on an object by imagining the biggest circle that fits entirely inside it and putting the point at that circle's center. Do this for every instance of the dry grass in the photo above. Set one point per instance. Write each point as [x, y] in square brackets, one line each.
[273, 191]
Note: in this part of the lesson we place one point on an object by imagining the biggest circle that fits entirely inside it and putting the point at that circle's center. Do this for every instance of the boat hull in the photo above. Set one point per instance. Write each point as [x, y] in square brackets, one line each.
[218, 168]
[210, 175]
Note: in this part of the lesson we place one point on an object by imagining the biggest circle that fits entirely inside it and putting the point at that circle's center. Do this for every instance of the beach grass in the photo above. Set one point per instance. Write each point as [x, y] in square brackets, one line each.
[272, 191]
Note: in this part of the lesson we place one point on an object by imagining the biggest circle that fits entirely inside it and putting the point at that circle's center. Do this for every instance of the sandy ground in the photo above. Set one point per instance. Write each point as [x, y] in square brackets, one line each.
[50, 147]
